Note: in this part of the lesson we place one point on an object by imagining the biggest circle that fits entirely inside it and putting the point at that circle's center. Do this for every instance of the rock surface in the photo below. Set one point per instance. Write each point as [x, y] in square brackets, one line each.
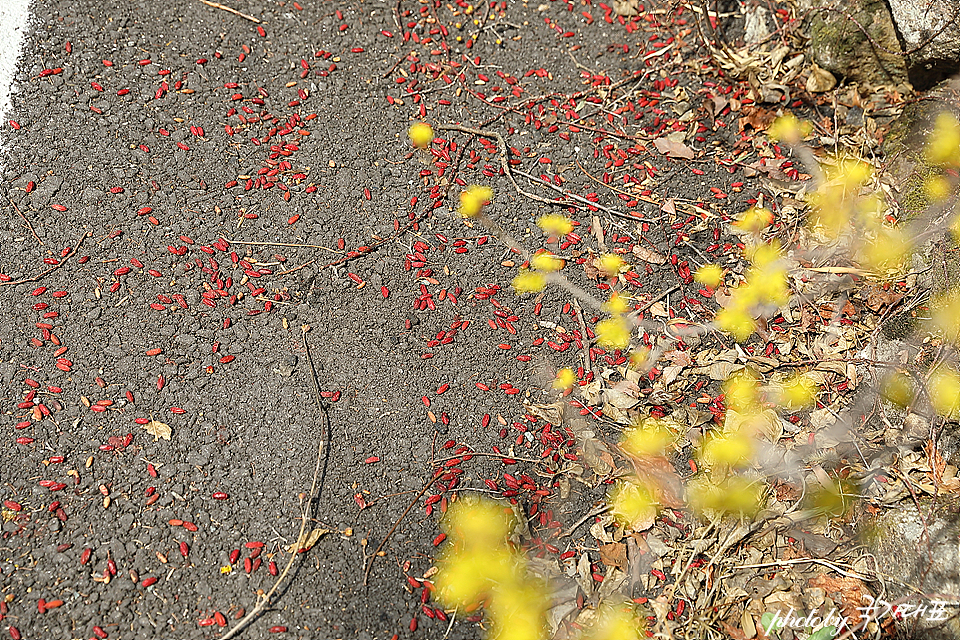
[918, 555]
[862, 55]
[930, 32]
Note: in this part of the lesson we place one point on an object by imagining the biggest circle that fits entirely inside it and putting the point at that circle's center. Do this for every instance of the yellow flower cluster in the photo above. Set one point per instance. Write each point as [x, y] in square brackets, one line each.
[555, 224]
[765, 287]
[479, 565]
[534, 279]
[473, 200]
[421, 135]
[789, 130]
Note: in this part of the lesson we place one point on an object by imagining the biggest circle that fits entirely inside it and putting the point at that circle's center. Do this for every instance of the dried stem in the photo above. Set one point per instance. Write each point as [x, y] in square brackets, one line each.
[29, 226]
[264, 600]
[223, 7]
[368, 560]
[62, 262]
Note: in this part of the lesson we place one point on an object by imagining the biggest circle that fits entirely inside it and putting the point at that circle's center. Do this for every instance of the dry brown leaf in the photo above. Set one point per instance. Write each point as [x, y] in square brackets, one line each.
[733, 632]
[158, 430]
[846, 592]
[669, 207]
[877, 298]
[648, 255]
[673, 149]
[614, 555]
[678, 358]
[659, 310]
[719, 370]
[757, 118]
[820, 80]
[307, 540]
[658, 475]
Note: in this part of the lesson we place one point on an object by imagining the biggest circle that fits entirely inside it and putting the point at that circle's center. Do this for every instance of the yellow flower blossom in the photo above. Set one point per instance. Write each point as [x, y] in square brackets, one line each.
[742, 392]
[789, 130]
[944, 390]
[710, 275]
[733, 495]
[755, 219]
[528, 281]
[647, 437]
[421, 134]
[937, 188]
[473, 199]
[944, 145]
[546, 261]
[554, 224]
[733, 450]
[632, 504]
[565, 379]
[613, 333]
[736, 321]
[616, 304]
[798, 391]
[611, 264]
[899, 389]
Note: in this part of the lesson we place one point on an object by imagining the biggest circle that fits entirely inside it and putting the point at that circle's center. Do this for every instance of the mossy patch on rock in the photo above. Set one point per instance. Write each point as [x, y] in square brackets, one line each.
[903, 148]
[840, 46]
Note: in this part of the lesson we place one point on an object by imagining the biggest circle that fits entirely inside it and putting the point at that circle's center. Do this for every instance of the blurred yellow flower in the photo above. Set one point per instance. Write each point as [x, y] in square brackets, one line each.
[798, 391]
[742, 391]
[733, 450]
[944, 390]
[473, 199]
[633, 505]
[616, 304]
[709, 275]
[937, 188]
[789, 130]
[546, 261]
[943, 146]
[613, 333]
[733, 495]
[528, 281]
[736, 321]
[554, 224]
[478, 564]
[611, 264]
[887, 250]
[755, 219]
[899, 389]
[648, 437]
[616, 622]
[421, 135]
[565, 379]
[945, 315]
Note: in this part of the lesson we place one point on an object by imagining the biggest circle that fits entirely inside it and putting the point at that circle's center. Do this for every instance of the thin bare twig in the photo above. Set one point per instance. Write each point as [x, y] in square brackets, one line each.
[223, 7]
[581, 199]
[501, 456]
[264, 600]
[652, 301]
[62, 262]
[29, 226]
[504, 157]
[295, 245]
[590, 514]
[373, 556]
[585, 340]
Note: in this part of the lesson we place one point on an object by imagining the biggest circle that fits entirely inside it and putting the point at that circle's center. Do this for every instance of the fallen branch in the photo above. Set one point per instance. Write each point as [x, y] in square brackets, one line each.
[372, 557]
[29, 226]
[504, 157]
[264, 600]
[223, 7]
[62, 262]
